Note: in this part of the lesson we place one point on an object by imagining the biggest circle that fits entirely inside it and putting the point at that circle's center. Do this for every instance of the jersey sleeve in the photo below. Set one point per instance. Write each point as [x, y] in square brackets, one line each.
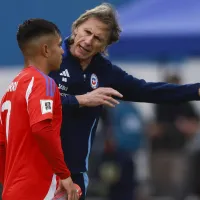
[138, 90]
[40, 99]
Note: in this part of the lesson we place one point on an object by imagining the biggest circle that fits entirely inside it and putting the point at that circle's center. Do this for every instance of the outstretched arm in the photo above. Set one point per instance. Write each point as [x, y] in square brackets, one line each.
[139, 90]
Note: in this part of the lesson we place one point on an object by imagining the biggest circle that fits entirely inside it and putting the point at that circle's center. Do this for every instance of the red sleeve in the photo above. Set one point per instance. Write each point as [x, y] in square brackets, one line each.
[50, 145]
[40, 98]
[2, 153]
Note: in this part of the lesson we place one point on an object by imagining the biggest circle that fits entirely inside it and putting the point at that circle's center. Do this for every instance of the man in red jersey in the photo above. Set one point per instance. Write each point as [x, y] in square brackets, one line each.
[30, 118]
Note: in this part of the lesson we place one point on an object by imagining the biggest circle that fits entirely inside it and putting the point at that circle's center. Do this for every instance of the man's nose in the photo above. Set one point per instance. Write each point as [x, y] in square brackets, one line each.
[89, 39]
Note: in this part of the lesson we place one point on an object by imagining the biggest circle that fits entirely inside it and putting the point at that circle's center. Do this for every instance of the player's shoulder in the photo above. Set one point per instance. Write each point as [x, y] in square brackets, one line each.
[38, 81]
[28, 73]
[102, 59]
[32, 73]
[102, 63]
[34, 78]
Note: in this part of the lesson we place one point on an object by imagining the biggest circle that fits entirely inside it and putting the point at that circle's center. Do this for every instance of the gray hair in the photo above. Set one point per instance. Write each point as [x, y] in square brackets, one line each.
[106, 14]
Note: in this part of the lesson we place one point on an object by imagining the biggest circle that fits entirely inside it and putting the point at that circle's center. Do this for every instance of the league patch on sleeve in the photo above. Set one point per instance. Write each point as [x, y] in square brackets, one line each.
[46, 106]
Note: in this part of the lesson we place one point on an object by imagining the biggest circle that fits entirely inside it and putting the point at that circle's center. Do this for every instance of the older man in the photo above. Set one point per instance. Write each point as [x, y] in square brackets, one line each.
[88, 80]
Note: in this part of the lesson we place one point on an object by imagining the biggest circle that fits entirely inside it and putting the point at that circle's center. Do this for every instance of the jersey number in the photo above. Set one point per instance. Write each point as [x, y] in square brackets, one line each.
[7, 106]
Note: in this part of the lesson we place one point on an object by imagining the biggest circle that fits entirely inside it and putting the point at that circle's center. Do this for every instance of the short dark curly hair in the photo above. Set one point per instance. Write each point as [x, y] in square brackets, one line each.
[34, 28]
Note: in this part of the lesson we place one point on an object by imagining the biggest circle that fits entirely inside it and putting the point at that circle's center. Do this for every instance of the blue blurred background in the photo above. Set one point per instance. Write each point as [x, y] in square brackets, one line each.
[160, 42]
[62, 12]
[151, 28]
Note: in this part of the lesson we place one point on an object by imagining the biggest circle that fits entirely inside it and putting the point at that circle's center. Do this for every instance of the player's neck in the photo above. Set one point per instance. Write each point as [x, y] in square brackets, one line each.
[39, 64]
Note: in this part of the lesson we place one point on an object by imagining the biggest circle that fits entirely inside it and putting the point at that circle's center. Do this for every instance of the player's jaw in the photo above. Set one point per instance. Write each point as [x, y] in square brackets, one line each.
[56, 55]
[55, 65]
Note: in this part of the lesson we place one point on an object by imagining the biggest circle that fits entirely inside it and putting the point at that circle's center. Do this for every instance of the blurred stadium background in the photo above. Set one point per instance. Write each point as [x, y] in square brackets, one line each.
[160, 42]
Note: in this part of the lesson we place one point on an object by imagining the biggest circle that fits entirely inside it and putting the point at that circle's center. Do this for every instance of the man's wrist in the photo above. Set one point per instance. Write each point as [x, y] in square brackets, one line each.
[81, 100]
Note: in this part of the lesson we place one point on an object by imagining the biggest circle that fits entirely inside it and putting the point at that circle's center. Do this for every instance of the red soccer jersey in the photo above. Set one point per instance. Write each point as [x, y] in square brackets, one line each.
[31, 97]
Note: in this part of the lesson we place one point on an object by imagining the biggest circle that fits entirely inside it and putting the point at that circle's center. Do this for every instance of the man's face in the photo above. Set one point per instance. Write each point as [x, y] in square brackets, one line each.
[90, 38]
[56, 52]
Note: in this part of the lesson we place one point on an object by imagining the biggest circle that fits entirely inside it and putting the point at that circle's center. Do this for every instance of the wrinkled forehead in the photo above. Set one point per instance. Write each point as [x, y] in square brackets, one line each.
[95, 25]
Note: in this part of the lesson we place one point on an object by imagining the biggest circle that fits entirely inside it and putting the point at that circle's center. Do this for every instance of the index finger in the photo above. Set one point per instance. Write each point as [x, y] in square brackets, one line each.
[75, 196]
[113, 92]
[69, 197]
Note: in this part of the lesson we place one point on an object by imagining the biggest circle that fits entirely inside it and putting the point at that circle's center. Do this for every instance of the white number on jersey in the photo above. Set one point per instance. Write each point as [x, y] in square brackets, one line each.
[7, 106]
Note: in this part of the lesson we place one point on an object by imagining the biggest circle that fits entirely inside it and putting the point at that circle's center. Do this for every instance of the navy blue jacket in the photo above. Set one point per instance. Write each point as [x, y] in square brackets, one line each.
[79, 124]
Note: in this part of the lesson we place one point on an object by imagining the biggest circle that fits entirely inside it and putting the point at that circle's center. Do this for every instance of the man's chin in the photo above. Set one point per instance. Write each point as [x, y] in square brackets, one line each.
[81, 55]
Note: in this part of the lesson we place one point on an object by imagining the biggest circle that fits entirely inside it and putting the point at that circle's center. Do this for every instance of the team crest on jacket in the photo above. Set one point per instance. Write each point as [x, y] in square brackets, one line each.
[94, 81]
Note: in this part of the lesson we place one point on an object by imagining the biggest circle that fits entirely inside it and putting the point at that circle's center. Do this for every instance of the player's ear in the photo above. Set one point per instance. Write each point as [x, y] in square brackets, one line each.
[45, 50]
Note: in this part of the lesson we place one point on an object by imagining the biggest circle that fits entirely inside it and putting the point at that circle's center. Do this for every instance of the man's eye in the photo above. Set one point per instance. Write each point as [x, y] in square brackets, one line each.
[88, 32]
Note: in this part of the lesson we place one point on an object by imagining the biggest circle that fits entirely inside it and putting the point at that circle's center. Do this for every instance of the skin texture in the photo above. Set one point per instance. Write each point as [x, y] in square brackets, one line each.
[90, 38]
[45, 53]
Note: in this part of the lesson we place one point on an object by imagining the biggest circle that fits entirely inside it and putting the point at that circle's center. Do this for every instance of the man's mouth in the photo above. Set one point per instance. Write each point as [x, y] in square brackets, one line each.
[87, 50]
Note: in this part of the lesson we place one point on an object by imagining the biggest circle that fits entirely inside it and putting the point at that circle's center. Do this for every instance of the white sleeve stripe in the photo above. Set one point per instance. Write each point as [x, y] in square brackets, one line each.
[29, 90]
